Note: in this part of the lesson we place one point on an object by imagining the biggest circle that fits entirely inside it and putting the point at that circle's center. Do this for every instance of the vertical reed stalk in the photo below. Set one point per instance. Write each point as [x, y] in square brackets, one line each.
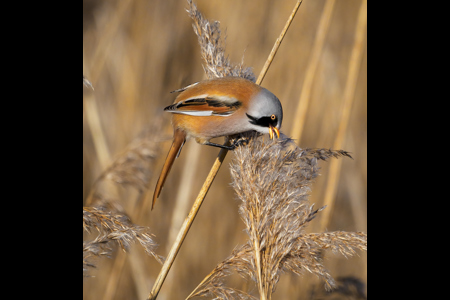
[98, 137]
[349, 95]
[259, 269]
[303, 102]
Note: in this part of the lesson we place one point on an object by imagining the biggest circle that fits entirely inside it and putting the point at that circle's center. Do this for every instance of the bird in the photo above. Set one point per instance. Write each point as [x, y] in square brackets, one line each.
[219, 107]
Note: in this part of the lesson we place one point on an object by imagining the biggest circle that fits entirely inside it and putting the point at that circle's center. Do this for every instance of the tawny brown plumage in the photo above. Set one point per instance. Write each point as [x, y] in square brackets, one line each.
[219, 107]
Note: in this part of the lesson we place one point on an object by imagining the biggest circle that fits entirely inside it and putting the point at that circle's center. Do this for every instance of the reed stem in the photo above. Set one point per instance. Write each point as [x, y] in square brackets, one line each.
[187, 225]
[278, 43]
[349, 95]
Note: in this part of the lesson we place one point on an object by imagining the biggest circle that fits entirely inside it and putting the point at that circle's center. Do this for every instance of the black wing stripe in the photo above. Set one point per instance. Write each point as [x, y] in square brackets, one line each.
[189, 102]
[218, 103]
[171, 107]
[210, 101]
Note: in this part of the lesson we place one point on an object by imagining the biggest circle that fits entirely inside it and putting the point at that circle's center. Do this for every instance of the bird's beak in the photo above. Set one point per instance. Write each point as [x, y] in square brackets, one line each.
[273, 131]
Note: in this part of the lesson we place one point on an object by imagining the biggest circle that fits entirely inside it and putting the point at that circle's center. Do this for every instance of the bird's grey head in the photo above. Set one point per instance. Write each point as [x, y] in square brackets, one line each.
[265, 110]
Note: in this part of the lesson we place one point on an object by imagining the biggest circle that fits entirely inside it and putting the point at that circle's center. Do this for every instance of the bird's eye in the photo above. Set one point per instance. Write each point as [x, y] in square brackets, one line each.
[273, 117]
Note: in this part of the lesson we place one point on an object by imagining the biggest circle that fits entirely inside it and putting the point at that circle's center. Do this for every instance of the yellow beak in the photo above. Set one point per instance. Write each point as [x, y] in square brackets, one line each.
[273, 130]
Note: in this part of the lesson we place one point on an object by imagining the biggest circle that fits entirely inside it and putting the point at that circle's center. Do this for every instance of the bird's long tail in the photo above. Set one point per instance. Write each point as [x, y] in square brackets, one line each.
[179, 137]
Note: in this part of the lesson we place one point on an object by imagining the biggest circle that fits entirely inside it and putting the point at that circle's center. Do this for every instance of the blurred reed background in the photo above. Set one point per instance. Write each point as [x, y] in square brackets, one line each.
[136, 52]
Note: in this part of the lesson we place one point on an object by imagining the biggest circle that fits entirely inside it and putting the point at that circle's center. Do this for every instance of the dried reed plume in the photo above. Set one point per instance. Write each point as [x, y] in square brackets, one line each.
[107, 216]
[133, 166]
[112, 228]
[213, 48]
[272, 180]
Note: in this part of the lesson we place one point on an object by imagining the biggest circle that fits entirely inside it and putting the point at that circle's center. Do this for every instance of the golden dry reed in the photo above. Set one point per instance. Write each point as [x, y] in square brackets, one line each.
[272, 180]
[134, 54]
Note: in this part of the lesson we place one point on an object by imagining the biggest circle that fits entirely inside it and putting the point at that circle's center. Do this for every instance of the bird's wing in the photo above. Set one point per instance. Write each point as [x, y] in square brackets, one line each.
[206, 105]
